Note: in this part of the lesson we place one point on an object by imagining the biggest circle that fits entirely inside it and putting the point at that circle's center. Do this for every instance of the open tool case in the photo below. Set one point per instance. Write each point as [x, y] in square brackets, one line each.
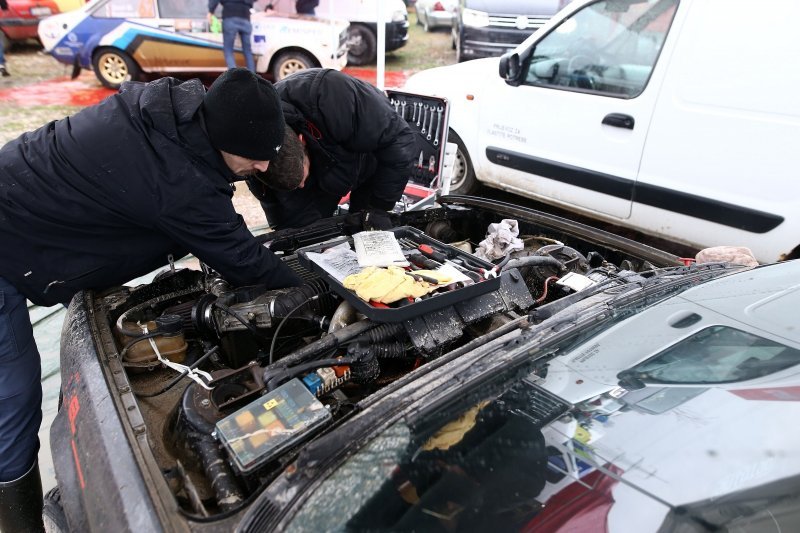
[434, 301]
[429, 117]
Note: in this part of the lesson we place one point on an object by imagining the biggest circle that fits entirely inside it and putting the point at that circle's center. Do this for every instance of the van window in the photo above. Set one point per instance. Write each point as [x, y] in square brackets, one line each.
[717, 354]
[608, 47]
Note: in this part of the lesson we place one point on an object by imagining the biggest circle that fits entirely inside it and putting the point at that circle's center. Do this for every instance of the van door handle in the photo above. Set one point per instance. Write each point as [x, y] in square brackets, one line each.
[619, 120]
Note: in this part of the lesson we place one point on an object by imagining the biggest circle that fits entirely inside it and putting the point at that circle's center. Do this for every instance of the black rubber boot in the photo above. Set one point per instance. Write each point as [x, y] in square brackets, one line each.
[21, 503]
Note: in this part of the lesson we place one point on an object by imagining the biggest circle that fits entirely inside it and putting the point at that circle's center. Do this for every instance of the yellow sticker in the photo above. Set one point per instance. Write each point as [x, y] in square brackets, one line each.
[271, 404]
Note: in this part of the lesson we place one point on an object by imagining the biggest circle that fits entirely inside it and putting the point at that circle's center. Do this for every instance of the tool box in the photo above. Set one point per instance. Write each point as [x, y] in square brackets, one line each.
[474, 268]
[429, 117]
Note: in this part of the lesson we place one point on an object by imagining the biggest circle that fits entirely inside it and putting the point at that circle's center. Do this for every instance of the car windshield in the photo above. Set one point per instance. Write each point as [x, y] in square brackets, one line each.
[717, 354]
[523, 451]
[476, 468]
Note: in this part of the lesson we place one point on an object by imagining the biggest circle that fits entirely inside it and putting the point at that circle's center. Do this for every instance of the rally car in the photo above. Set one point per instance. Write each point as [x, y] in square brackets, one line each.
[122, 39]
[549, 388]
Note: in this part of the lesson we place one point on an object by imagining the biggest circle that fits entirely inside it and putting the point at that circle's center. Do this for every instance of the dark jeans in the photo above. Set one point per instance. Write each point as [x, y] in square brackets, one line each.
[20, 386]
[231, 27]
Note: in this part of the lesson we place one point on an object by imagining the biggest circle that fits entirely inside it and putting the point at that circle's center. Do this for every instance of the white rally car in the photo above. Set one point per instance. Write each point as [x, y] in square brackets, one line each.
[121, 39]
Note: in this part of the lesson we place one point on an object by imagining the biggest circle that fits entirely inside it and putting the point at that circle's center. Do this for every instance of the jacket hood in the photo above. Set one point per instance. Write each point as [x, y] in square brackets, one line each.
[168, 103]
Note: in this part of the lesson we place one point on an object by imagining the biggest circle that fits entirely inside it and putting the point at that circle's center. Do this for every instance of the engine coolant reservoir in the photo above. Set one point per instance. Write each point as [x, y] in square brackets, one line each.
[171, 343]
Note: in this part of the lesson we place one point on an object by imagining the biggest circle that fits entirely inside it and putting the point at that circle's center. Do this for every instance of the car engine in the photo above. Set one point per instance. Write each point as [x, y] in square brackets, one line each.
[232, 382]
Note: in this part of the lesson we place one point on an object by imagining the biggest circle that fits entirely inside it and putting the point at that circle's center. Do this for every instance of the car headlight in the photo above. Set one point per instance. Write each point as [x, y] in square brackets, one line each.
[50, 30]
[475, 19]
[399, 15]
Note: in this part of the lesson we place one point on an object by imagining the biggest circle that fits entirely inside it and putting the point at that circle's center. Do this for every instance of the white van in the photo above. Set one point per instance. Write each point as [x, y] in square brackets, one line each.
[678, 118]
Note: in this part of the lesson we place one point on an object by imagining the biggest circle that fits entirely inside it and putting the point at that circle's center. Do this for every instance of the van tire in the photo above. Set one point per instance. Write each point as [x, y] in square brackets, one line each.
[463, 179]
[363, 45]
[289, 62]
[457, 43]
[113, 67]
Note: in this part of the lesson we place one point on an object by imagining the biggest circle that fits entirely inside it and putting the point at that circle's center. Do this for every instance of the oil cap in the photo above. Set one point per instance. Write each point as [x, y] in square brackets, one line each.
[169, 324]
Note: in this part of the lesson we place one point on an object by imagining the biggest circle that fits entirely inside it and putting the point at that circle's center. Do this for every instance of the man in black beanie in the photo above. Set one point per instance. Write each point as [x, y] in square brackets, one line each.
[343, 137]
[106, 195]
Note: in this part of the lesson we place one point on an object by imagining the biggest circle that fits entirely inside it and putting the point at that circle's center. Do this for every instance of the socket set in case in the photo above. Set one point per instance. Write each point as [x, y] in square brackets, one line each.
[428, 116]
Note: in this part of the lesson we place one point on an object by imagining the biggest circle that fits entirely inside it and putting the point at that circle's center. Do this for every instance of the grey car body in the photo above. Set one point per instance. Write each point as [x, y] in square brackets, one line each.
[137, 448]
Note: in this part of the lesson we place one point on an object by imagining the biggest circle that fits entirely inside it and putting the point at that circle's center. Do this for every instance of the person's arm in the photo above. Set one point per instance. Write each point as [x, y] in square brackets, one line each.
[205, 222]
[212, 7]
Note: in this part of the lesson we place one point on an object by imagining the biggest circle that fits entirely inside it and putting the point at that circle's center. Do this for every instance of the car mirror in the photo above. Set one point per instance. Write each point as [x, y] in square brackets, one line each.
[630, 383]
[509, 66]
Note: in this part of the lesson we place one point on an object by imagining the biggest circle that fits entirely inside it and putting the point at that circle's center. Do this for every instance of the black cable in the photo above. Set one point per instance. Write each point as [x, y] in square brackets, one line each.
[283, 321]
[138, 339]
[183, 374]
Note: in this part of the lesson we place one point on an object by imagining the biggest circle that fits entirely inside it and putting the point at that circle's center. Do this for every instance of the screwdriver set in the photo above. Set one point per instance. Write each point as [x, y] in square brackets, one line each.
[428, 116]
[474, 276]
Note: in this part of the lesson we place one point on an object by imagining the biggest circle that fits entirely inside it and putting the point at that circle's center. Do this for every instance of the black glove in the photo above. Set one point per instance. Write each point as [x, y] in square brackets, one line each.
[376, 220]
[368, 220]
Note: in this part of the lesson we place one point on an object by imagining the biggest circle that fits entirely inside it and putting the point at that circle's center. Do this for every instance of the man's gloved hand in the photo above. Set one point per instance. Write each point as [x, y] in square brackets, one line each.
[367, 220]
[376, 220]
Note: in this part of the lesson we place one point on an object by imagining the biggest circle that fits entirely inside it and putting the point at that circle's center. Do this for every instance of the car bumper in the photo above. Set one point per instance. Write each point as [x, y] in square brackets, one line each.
[20, 28]
[440, 18]
[490, 42]
[396, 35]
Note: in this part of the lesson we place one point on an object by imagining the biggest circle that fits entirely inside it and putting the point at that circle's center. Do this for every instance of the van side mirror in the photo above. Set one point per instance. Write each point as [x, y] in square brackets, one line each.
[630, 383]
[509, 66]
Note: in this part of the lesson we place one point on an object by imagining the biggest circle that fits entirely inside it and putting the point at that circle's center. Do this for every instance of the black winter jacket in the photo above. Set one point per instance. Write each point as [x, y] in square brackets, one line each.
[355, 139]
[99, 198]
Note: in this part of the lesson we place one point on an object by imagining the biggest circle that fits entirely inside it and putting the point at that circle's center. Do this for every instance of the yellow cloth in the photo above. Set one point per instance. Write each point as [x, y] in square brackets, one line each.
[387, 285]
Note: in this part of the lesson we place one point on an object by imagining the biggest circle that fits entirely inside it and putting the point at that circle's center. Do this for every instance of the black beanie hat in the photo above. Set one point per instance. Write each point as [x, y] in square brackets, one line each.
[243, 115]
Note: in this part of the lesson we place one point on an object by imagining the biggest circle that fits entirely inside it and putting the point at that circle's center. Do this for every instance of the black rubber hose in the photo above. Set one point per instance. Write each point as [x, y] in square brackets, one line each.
[534, 260]
[226, 489]
[325, 344]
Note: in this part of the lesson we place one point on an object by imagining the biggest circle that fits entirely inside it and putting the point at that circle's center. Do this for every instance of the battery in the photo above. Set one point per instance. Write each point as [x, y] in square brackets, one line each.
[266, 427]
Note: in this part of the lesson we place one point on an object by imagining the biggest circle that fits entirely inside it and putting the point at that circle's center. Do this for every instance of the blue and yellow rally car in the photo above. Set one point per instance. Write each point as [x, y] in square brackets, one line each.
[121, 39]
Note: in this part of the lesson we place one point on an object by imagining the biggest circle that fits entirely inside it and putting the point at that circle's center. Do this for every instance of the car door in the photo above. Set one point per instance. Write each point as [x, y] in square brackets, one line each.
[572, 131]
[195, 48]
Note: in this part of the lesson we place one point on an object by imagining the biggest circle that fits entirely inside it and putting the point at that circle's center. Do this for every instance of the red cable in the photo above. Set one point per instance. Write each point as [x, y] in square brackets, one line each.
[544, 295]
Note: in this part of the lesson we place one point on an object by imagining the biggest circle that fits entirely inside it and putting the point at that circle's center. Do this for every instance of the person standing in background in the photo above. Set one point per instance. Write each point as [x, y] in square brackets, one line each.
[3, 69]
[235, 21]
[306, 7]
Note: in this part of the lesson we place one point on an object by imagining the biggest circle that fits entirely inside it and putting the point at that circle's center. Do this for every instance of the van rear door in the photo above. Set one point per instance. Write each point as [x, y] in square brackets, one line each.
[573, 131]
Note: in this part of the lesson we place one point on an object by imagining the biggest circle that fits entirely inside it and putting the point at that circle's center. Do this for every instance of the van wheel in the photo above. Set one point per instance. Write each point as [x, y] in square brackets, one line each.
[462, 180]
[113, 67]
[290, 62]
[363, 45]
[55, 521]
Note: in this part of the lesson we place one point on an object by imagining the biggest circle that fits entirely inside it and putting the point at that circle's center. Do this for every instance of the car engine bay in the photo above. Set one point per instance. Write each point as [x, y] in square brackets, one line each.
[268, 370]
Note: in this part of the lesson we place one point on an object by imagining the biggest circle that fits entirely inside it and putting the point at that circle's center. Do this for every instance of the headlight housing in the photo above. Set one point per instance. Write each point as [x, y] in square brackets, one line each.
[399, 15]
[475, 19]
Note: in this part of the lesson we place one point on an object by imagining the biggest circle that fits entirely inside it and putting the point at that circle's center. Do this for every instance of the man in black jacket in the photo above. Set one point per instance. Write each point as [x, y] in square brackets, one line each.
[355, 142]
[104, 196]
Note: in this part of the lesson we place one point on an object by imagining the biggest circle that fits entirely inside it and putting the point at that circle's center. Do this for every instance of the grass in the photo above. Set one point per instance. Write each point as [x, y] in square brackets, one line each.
[423, 50]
